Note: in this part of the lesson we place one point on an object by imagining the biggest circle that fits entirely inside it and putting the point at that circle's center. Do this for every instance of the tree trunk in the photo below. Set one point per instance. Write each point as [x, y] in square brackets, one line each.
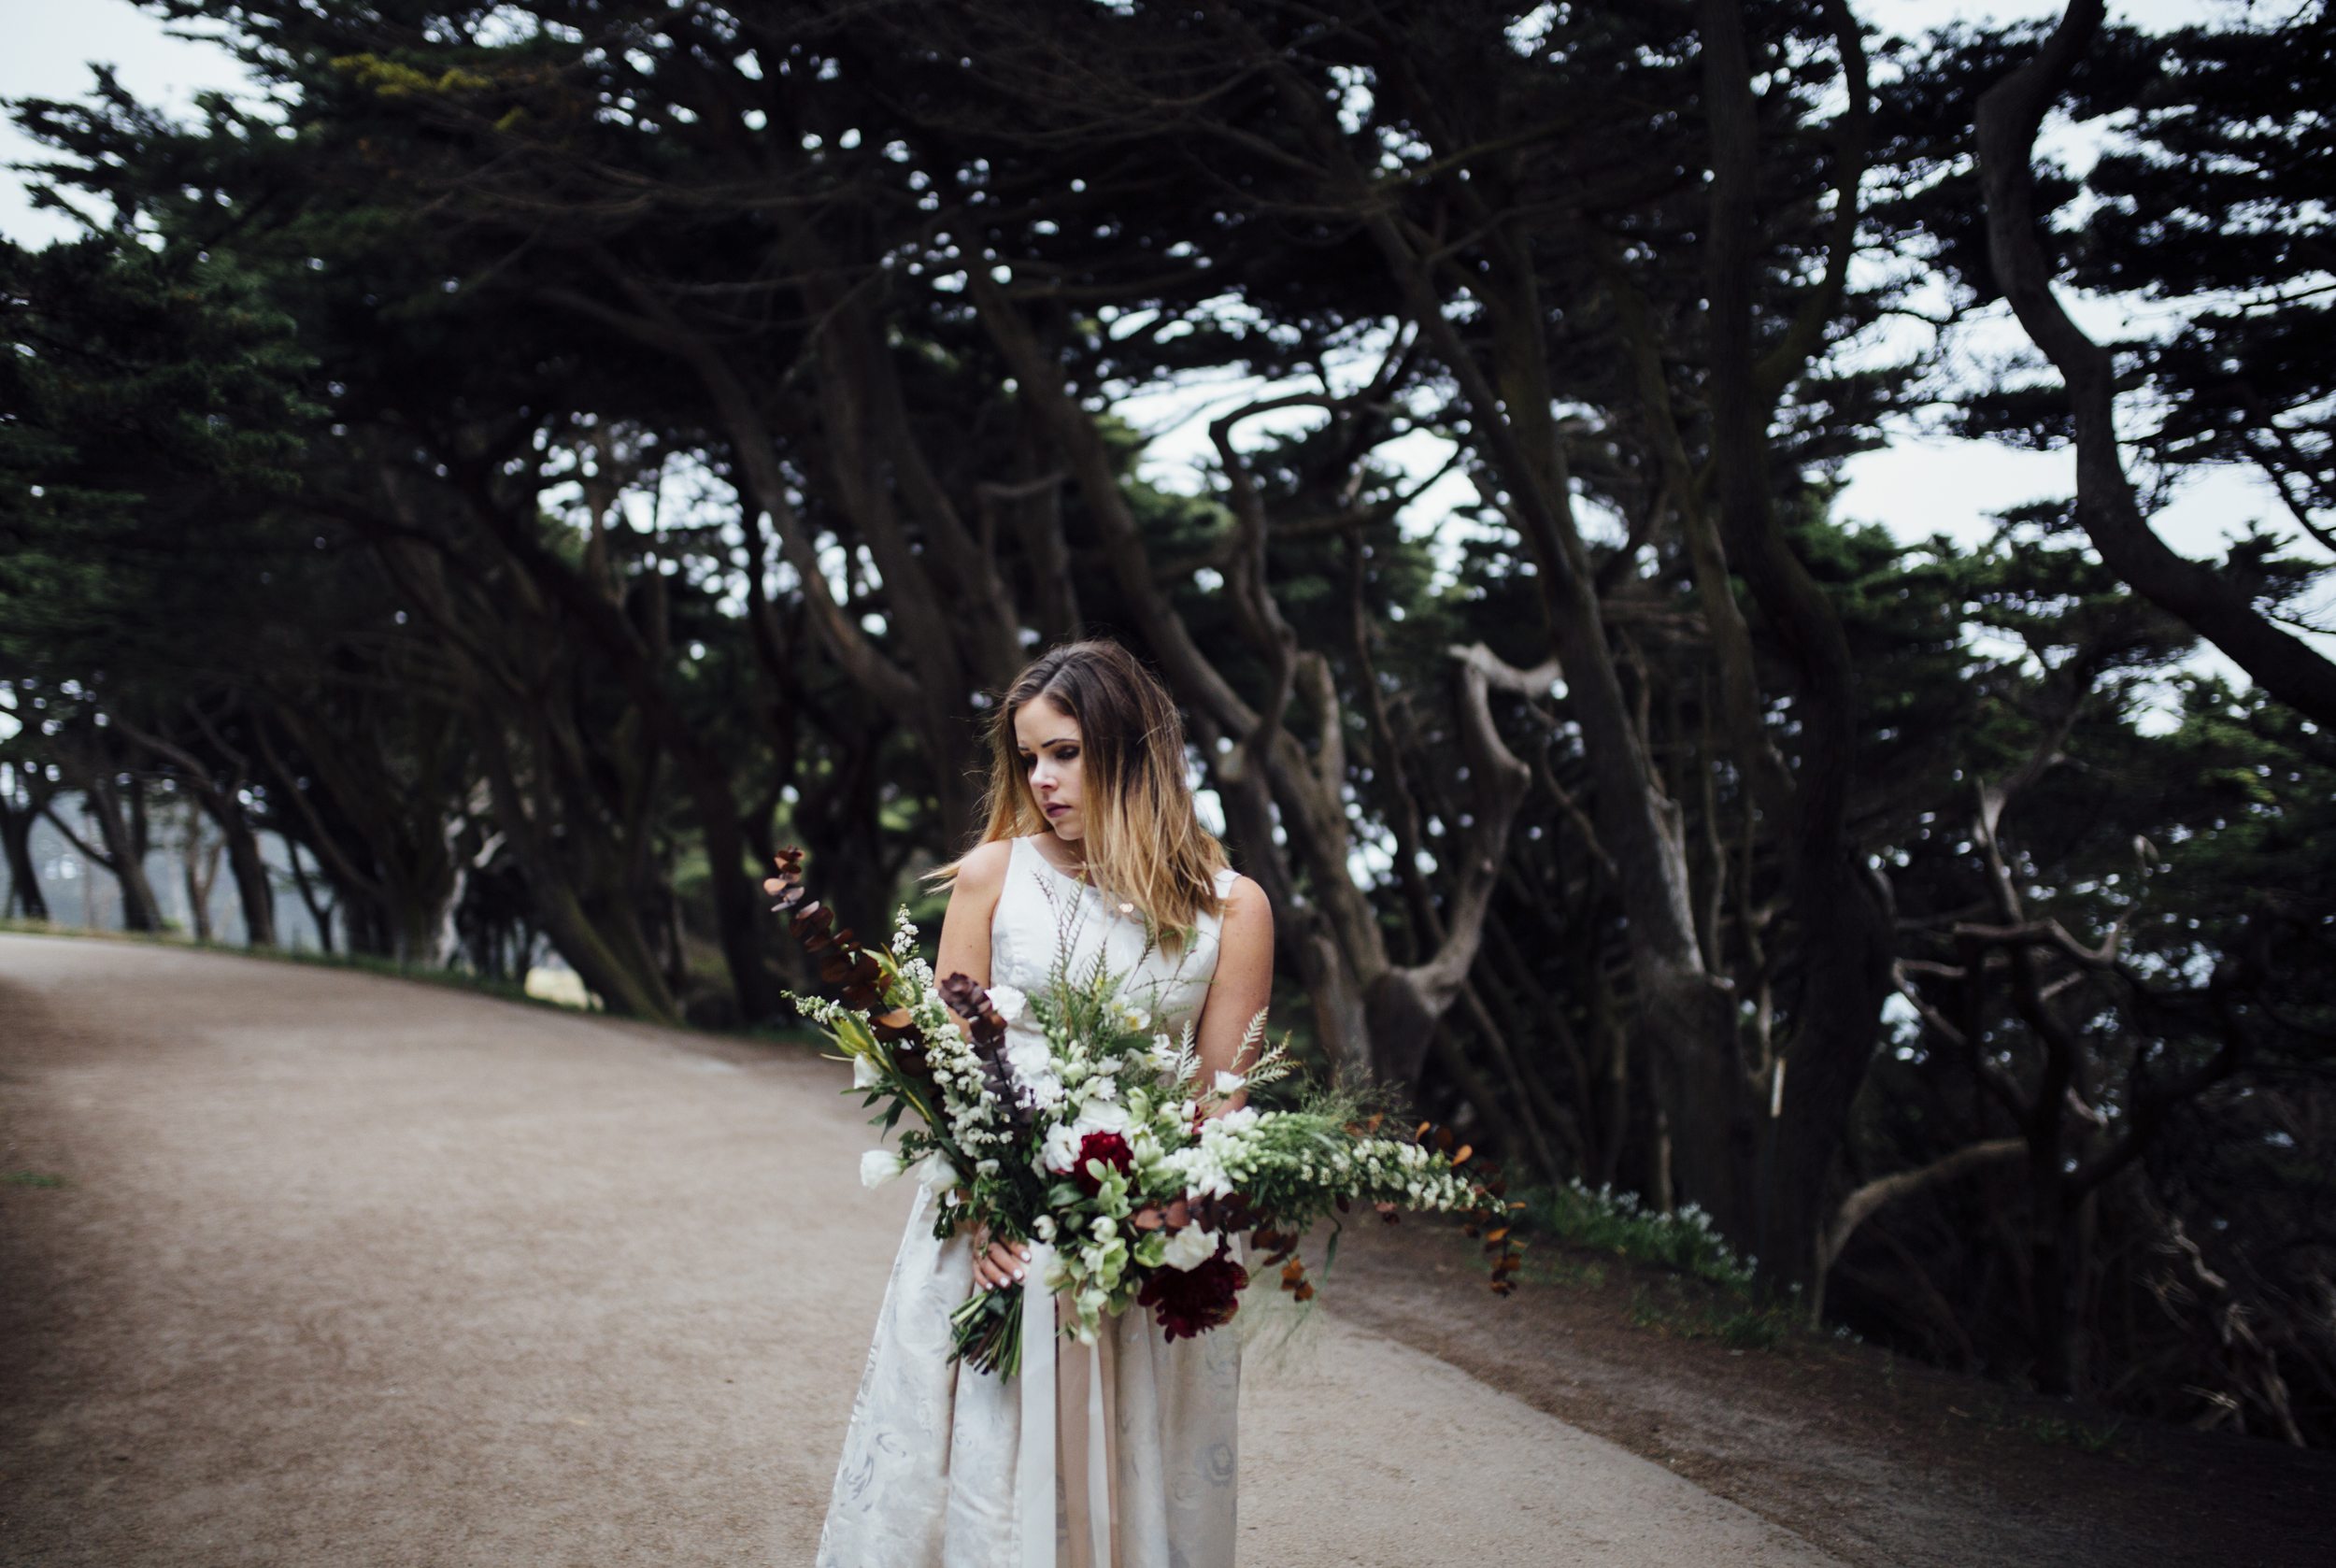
[255, 889]
[740, 916]
[608, 952]
[102, 800]
[16, 839]
[404, 832]
[1299, 928]
[1036, 504]
[320, 913]
[2048, 1281]
[224, 803]
[200, 868]
[1845, 931]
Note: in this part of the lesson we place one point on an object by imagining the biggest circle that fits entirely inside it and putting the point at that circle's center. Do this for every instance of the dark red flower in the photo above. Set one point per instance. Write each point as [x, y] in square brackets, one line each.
[1109, 1147]
[1189, 1302]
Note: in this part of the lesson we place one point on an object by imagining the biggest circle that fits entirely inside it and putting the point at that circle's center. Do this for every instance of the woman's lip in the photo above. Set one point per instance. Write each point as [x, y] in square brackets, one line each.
[1057, 810]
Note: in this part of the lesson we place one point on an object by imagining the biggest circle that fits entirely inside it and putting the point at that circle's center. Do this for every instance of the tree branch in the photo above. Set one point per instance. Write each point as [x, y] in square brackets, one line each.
[2218, 608]
[1860, 1206]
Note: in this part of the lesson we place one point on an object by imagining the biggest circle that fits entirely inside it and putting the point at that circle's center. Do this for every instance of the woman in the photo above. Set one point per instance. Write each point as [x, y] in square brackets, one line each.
[1091, 843]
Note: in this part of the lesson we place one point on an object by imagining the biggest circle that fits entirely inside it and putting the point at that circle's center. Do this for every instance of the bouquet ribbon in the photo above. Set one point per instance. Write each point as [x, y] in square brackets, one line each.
[1042, 1425]
[1033, 1465]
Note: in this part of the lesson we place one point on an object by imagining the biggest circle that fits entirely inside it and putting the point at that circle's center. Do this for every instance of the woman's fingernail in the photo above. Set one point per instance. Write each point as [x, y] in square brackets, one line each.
[1026, 1254]
[1018, 1274]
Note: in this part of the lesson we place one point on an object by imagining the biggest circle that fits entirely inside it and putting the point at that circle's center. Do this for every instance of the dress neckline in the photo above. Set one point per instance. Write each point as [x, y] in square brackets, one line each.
[1029, 841]
[1079, 882]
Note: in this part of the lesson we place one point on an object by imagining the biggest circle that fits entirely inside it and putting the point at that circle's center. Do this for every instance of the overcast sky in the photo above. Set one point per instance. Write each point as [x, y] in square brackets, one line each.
[1916, 488]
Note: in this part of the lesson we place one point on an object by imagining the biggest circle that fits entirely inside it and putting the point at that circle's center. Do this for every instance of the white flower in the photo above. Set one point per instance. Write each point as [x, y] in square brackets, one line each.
[1061, 1147]
[1043, 1227]
[878, 1166]
[864, 1073]
[1007, 1001]
[1190, 1248]
[1103, 1117]
[933, 1170]
[1102, 1227]
[1229, 1083]
[1034, 1070]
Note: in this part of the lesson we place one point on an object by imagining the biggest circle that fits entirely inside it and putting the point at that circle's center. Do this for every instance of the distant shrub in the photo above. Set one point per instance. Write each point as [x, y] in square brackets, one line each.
[1605, 1220]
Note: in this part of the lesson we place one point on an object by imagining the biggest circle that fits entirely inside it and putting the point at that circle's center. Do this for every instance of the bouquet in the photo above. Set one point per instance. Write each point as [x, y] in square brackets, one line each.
[1093, 1131]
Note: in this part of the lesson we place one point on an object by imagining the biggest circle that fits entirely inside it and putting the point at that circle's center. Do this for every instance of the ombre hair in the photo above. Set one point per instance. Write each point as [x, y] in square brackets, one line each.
[1144, 845]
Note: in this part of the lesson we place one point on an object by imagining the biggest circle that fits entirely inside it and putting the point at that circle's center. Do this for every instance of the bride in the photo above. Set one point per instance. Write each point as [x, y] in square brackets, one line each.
[1091, 841]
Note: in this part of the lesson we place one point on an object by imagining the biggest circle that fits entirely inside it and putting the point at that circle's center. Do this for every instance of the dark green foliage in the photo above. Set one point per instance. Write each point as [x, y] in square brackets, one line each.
[2222, 200]
[147, 401]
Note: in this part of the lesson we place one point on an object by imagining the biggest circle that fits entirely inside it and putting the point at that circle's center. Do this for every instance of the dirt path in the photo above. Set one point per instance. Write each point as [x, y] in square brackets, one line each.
[356, 1271]
[1883, 1462]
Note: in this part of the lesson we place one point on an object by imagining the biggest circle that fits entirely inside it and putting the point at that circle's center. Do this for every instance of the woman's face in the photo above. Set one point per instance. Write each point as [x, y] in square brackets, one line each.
[1048, 741]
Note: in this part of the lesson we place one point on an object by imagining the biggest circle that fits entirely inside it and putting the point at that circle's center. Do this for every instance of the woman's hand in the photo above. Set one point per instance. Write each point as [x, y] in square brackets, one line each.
[997, 1263]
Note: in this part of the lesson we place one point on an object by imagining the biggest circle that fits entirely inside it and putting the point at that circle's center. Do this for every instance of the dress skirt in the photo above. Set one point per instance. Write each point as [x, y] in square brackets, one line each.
[928, 1478]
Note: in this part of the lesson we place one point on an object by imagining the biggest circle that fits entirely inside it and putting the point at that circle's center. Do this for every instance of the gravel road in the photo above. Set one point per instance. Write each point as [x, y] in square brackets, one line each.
[349, 1270]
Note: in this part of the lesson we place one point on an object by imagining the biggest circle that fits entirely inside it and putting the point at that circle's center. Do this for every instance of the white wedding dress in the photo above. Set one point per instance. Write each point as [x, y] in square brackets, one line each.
[1145, 1447]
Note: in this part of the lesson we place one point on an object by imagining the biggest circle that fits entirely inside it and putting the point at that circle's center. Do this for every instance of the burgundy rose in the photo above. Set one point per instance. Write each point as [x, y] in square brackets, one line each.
[1189, 1302]
[1109, 1147]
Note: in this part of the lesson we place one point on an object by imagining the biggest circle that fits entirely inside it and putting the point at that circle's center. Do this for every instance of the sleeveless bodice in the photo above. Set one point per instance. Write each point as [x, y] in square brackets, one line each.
[1041, 909]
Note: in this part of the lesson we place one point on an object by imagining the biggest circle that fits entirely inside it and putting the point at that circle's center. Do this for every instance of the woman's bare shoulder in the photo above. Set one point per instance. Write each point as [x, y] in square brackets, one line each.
[1246, 901]
[982, 873]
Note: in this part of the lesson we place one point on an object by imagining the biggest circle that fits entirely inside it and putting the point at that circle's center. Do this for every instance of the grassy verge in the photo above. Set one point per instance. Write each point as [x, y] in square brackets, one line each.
[1704, 1291]
[1994, 1412]
[1732, 1318]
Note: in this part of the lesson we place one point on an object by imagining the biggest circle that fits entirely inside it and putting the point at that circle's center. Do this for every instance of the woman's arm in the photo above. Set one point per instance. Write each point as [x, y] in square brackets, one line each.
[973, 903]
[1243, 985]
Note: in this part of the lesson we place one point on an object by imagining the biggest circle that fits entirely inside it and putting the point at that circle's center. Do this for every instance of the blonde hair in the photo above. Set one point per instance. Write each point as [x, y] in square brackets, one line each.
[1145, 844]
